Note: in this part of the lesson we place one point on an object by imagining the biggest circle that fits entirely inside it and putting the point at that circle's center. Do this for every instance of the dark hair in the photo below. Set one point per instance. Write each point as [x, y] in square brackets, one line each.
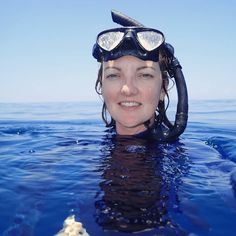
[161, 109]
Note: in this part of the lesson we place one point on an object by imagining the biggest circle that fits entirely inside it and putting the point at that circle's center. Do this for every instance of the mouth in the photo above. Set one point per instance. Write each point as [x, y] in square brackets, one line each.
[130, 104]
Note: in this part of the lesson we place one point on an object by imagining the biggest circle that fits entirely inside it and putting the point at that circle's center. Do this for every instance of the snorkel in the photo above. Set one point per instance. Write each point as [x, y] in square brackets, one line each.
[165, 131]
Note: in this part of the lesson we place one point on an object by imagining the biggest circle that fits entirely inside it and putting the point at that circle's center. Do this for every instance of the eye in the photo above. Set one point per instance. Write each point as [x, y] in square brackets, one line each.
[146, 76]
[112, 76]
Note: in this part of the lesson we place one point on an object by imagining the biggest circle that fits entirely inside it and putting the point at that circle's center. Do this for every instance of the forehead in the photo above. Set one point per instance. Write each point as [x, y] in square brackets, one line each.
[130, 61]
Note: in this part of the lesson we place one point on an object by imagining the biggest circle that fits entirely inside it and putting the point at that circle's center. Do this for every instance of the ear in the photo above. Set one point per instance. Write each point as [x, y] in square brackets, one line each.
[162, 95]
[164, 89]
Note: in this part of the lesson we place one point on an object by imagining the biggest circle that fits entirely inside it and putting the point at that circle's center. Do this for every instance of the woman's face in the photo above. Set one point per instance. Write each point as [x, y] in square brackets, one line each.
[131, 89]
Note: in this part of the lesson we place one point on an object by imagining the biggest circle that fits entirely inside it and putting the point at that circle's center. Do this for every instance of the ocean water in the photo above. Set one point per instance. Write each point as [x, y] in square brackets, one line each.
[58, 160]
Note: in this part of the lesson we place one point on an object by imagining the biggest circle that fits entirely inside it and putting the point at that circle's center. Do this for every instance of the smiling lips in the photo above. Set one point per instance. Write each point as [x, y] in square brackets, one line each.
[130, 104]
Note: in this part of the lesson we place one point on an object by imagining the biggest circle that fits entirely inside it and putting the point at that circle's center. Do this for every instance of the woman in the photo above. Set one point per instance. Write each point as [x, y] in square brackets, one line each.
[133, 80]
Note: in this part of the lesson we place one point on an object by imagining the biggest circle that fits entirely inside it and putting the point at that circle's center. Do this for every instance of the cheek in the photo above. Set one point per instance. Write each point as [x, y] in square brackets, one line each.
[152, 94]
[108, 92]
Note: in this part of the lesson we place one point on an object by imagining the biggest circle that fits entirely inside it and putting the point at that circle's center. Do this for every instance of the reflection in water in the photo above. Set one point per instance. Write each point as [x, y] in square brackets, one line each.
[140, 181]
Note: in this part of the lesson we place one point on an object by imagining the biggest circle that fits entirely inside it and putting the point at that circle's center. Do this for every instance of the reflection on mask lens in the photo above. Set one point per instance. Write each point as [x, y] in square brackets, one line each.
[108, 41]
[150, 39]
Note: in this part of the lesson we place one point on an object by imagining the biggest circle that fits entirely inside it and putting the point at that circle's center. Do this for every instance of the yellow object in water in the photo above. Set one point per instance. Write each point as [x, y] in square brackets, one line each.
[72, 228]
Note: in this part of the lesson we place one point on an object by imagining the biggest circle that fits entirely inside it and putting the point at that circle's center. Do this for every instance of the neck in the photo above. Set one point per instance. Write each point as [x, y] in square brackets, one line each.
[122, 130]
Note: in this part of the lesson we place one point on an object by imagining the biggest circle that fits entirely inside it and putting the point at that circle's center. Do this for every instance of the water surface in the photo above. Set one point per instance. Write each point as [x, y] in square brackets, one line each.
[58, 159]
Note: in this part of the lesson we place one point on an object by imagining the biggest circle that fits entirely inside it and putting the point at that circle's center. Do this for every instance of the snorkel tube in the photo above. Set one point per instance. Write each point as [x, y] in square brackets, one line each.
[171, 131]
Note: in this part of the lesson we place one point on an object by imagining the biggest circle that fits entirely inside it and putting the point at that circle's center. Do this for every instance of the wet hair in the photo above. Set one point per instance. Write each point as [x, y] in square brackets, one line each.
[161, 108]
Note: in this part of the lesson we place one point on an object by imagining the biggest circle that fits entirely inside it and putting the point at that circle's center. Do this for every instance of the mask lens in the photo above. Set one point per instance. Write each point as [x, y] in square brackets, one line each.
[150, 40]
[108, 41]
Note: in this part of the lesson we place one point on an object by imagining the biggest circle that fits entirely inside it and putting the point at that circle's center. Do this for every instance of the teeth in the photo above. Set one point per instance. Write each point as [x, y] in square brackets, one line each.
[130, 104]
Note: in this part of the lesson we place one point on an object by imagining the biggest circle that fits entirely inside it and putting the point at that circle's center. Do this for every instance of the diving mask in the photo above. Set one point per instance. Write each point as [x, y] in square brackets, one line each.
[141, 42]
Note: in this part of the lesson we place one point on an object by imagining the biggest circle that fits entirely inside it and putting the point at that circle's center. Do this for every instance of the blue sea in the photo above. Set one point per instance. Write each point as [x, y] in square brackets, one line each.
[58, 160]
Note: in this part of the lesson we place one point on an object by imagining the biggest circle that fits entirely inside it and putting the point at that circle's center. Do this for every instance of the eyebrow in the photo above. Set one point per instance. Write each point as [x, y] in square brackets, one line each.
[112, 67]
[146, 67]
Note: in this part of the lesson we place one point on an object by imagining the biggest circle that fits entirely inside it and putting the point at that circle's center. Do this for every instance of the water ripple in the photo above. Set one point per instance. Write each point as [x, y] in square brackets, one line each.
[53, 164]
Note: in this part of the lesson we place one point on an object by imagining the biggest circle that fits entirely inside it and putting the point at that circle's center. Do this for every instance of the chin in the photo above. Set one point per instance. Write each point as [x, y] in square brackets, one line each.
[131, 124]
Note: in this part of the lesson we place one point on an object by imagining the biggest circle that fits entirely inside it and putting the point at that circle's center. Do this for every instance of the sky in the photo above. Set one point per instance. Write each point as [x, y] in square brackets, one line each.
[46, 45]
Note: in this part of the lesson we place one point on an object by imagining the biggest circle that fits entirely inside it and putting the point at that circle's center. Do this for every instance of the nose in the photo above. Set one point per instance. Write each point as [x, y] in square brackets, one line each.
[129, 88]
